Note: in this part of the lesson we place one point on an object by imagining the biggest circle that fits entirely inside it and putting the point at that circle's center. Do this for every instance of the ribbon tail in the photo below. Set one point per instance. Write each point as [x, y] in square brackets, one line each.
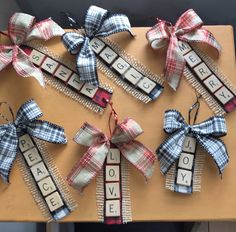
[88, 167]
[25, 68]
[217, 149]
[5, 56]
[87, 65]
[140, 156]
[47, 131]
[175, 64]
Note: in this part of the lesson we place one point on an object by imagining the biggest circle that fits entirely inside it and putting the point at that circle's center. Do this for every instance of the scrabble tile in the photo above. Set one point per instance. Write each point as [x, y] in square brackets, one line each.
[112, 173]
[32, 156]
[186, 161]
[25, 142]
[89, 90]
[213, 83]
[63, 73]
[189, 144]
[39, 171]
[120, 65]
[202, 71]
[146, 85]
[97, 45]
[113, 156]
[192, 59]
[224, 95]
[133, 76]
[184, 177]
[108, 55]
[54, 201]
[112, 190]
[49, 65]
[112, 208]
[46, 186]
[36, 57]
[75, 82]
[184, 47]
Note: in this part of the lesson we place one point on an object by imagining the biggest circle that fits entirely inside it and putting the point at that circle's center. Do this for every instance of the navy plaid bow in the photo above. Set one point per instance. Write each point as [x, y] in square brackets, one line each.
[206, 133]
[98, 23]
[25, 122]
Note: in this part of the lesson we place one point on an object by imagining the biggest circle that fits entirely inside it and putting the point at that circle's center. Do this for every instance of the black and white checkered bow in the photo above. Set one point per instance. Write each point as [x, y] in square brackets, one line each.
[206, 133]
[98, 23]
[26, 122]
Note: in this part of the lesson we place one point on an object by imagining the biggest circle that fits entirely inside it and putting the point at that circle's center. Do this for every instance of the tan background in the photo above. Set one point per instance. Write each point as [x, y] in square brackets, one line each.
[151, 201]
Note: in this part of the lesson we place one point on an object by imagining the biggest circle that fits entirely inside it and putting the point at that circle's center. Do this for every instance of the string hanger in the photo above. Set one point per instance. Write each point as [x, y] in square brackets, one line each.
[113, 115]
[195, 107]
[74, 24]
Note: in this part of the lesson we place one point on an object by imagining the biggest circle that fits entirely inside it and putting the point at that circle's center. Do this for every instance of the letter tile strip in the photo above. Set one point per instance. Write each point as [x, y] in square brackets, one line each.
[60, 74]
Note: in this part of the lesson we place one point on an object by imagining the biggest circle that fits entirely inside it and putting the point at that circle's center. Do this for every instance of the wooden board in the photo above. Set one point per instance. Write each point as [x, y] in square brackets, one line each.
[150, 202]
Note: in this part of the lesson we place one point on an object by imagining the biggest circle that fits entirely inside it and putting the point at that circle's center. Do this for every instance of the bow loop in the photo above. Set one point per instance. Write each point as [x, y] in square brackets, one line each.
[206, 133]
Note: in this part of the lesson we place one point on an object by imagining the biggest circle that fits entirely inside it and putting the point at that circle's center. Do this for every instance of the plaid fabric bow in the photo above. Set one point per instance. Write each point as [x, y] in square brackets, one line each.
[22, 28]
[206, 133]
[188, 28]
[99, 145]
[98, 23]
[25, 122]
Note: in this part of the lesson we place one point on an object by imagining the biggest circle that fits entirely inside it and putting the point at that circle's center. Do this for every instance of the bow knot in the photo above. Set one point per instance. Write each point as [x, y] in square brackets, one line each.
[26, 122]
[188, 28]
[22, 28]
[207, 134]
[98, 23]
[123, 137]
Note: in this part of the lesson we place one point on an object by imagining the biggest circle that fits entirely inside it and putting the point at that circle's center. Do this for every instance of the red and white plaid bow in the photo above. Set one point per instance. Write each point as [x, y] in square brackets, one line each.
[22, 28]
[188, 28]
[99, 146]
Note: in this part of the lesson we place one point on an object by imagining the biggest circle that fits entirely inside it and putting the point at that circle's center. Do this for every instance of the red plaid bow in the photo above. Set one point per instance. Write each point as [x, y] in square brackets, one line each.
[188, 28]
[99, 146]
[22, 28]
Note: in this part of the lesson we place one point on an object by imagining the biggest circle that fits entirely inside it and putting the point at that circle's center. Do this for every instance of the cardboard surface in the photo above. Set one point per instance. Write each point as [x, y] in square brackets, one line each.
[150, 202]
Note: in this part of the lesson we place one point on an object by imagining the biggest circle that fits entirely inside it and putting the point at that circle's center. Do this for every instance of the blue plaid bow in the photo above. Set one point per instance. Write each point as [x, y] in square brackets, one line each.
[25, 122]
[206, 134]
[98, 23]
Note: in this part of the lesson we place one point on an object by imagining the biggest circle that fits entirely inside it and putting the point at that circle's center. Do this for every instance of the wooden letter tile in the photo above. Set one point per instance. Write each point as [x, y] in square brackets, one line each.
[75, 82]
[39, 171]
[224, 95]
[189, 144]
[184, 47]
[89, 90]
[113, 156]
[112, 208]
[32, 156]
[133, 76]
[97, 45]
[202, 71]
[112, 190]
[36, 57]
[192, 59]
[46, 186]
[49, 65]
[54, 201]
[25, 142]
[184, 177]
[63, 73]
[213, 83]
[186, 161]
[108, 55]
[121, 66]
[112, 173]
[146, 85]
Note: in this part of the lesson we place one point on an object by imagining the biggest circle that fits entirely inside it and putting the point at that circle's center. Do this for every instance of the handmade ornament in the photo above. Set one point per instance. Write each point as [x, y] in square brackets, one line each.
[107, 158]
[93, 49]
[181, 155]
[184, 57]
[30, 58]
[25, 135]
